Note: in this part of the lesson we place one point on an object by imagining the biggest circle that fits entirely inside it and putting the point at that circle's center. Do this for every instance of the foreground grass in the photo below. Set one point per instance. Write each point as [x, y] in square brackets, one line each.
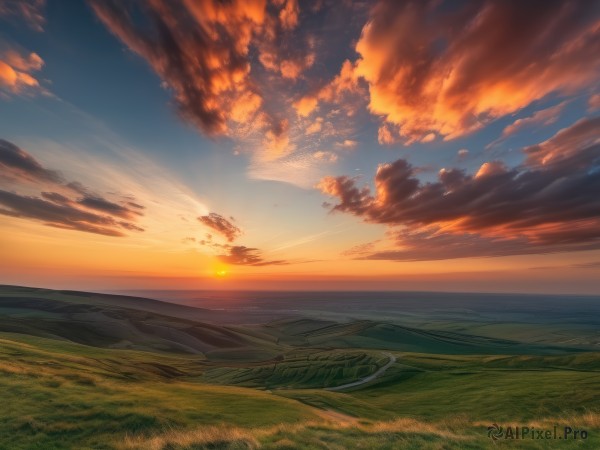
[57, 398]
[60, 395]
[341, 434]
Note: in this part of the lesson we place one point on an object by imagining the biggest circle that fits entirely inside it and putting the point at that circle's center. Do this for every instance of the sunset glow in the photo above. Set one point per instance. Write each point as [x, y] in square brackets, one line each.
[411, 145]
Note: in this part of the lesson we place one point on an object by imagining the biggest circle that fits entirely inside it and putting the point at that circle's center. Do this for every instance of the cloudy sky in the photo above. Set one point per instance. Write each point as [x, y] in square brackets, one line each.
[287, 144]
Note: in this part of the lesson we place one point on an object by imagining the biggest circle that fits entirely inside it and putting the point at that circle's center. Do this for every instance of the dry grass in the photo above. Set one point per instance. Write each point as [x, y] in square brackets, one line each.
[212, 435]
[406, 425]
[250, 438]
[590, 419]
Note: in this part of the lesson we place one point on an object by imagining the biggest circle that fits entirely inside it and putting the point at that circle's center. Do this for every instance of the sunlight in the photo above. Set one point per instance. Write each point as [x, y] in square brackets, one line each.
[220, 272]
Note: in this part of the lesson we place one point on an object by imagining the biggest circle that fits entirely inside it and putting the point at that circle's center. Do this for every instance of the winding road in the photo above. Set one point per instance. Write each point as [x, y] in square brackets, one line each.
[371, 377]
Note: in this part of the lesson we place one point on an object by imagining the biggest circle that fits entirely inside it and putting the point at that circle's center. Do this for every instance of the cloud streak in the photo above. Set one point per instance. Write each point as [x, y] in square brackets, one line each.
[30, 11]
[546, 116]
[90, 212]
[22, 166]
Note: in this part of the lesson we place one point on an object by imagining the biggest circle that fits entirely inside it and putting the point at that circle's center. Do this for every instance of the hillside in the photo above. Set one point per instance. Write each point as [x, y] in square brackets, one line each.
[81, 370]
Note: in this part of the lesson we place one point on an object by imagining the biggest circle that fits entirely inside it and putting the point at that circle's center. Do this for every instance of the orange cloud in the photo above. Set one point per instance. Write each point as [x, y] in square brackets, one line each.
[288, 16]
[347, 143]
[203, 60]
[211, 55]
[327, 157]
[306, 105]
[344, 82]
[16, 72]
[434, 69]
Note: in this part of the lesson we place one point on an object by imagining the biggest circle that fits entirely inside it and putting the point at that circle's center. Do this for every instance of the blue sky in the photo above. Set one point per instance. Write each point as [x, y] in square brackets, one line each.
[128, 120]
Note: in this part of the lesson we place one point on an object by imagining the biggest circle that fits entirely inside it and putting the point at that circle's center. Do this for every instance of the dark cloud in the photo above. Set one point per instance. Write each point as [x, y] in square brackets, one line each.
[136, 205]
[91, 212]
[78, 188]
[551, 203]
[571, 148]
[106, 206]
[221, 225]
[239, 255]
[55, 197]
[20, 164]
[245, 256]
[435, 244]
[59, 215]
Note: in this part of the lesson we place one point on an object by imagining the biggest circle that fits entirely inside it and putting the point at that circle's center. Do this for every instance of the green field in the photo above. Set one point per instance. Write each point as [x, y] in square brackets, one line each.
[82, 371]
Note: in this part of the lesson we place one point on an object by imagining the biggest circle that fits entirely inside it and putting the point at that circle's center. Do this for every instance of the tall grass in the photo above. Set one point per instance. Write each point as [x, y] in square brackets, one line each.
[254, 438]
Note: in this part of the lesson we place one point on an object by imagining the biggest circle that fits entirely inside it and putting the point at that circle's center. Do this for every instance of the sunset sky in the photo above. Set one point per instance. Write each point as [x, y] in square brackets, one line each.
[283, 144]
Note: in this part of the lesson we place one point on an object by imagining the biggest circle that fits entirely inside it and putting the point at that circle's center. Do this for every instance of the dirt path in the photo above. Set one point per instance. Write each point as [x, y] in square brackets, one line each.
[371, 377]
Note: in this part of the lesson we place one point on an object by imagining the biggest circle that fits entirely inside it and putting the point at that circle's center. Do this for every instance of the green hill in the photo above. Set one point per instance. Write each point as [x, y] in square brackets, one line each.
[95, 371]
[110, 321]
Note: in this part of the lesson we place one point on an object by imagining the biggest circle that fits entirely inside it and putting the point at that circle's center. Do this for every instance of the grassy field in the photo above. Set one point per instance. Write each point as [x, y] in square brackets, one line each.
[144, 384]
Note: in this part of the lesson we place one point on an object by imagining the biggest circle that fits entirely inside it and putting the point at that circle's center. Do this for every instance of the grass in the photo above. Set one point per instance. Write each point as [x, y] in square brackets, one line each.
[302, 369]
[454, 433]
[58, 397]
[484, 388]
[121, 384]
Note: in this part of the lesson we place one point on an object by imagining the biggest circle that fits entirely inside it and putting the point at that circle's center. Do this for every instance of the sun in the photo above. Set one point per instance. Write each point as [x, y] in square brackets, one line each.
[220, 273]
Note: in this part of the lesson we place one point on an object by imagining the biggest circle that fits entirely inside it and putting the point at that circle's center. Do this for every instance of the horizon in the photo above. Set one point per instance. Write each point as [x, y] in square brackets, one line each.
[133, 291]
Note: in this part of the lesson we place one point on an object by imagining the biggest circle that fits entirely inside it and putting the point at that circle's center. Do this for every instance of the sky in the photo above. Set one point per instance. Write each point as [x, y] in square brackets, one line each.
[284, 144]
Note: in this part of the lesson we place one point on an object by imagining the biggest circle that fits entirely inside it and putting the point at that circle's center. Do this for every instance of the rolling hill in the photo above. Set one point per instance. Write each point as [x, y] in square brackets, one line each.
[83, 370]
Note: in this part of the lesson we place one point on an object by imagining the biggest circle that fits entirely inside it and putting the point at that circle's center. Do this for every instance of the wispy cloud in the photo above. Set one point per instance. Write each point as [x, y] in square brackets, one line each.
[91, 212]
[542, 117]
[29, 11]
